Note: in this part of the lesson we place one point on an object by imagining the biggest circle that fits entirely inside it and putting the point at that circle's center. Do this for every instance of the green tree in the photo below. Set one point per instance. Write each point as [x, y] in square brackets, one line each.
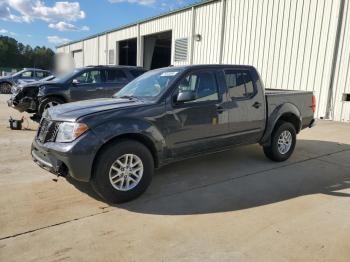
[17, 55]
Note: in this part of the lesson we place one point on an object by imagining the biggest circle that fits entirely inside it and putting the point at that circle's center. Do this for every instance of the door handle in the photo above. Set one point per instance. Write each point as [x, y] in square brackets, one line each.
[99, 88]
[220, 109]
[256, 105]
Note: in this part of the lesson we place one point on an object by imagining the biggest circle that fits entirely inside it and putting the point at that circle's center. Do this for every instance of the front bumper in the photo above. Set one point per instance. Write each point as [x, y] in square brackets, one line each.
[25, 104]
[74, 159]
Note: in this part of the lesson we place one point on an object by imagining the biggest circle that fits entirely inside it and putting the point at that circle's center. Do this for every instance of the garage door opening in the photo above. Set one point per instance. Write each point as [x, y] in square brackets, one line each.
[128, 52]
[157, 50]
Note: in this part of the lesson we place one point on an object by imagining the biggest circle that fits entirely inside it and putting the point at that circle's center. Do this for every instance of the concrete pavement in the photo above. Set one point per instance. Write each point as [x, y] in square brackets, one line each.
[231, 206]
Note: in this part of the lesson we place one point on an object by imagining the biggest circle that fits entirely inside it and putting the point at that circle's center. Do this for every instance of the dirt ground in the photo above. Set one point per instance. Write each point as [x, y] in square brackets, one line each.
[231, 206]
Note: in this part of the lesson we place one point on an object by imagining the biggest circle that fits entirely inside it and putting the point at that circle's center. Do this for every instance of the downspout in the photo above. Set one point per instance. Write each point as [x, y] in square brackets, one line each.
[222, 30]
[193, 31]
[106, 51]
[334, 60]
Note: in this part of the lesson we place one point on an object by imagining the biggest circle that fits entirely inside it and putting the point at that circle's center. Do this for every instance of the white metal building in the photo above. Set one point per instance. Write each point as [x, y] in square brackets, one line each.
[295, 44]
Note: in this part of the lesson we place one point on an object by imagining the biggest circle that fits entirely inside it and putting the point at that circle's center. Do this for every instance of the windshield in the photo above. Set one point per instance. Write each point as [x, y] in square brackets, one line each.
[18, 73]
[67, 76]
[149, 85]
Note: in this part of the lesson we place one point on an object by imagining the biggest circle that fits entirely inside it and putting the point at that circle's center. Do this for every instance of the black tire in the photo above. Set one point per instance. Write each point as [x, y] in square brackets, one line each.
[46, 102]
[5, 88]
[272, 151]
[101, 177]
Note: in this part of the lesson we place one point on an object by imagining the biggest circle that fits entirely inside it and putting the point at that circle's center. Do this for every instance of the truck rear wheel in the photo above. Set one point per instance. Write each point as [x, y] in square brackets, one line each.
[123, 171]
[283, 141]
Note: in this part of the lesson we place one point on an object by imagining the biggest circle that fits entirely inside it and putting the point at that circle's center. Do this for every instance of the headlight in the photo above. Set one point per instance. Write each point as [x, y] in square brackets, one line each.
[67, 132]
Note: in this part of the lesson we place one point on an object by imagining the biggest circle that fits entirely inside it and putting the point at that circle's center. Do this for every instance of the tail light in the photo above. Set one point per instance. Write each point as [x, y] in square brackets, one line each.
[313, 104]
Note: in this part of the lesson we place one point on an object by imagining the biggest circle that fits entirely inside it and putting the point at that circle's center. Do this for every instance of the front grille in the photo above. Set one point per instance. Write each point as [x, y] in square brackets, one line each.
[48, 130]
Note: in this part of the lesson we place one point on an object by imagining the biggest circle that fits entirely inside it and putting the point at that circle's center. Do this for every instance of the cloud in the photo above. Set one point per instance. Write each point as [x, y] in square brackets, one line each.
[30, 10]
[4, 31]
[63, 26]
[54, 39]
[140, 2]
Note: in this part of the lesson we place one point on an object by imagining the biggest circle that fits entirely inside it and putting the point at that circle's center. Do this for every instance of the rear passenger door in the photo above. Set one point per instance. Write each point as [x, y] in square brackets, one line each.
[115, 79]
[246, 105]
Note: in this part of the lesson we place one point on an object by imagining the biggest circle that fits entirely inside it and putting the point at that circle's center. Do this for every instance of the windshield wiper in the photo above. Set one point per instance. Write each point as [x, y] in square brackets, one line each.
[128, 97]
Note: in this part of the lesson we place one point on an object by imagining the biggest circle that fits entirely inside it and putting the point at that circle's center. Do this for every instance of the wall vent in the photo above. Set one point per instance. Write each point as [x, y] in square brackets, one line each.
[181, 49]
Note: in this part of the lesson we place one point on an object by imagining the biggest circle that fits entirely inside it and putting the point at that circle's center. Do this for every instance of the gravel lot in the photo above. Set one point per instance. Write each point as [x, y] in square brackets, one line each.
[231, 206]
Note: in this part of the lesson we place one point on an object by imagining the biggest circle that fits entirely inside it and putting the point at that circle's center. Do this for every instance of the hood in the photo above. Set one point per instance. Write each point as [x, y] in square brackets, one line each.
[5, 78]
[72, 111]
[25, 86]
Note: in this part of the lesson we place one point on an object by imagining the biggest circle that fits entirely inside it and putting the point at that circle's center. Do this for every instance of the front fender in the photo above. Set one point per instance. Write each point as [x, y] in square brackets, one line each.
[277, 113]
[121, 127]
[45, 92]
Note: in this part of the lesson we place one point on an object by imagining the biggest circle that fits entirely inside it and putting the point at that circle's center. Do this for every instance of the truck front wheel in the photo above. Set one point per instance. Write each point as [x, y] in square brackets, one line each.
[283, 141]
[123, 171]
[47, 103]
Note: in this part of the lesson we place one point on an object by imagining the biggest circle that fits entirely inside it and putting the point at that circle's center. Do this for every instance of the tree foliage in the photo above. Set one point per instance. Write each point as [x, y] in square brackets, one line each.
[17, 55]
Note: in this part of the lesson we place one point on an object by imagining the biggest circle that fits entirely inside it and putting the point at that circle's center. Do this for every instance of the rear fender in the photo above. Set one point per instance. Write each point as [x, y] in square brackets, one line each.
[282, 111]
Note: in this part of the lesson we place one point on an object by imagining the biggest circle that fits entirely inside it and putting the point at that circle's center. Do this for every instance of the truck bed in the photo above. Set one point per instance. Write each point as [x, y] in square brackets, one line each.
[302, 100]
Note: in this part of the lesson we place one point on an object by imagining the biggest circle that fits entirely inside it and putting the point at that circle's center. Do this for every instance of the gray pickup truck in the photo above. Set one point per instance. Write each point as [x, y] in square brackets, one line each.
[167, 115]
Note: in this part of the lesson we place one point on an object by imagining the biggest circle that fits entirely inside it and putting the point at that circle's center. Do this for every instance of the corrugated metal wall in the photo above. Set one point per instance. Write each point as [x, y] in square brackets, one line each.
[340, 110]
[91, 51]
[208, 25]
[102, 56]
[290, 42]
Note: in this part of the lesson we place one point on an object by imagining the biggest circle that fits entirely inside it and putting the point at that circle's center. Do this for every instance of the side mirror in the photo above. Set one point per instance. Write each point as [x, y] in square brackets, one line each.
[185, 96]
[75, 82]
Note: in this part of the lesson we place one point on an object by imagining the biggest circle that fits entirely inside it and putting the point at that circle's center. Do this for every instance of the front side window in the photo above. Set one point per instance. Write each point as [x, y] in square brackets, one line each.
[239, 84]
[202, 84]
[27, 74]
[115, 76]
[90, 77]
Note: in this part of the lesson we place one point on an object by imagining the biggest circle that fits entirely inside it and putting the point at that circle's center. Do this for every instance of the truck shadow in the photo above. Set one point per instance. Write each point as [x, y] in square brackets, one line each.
[243, 178]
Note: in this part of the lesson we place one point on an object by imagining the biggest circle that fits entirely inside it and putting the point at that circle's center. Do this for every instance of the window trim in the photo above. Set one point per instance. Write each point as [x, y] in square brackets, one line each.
[191, 103]
[228, 89]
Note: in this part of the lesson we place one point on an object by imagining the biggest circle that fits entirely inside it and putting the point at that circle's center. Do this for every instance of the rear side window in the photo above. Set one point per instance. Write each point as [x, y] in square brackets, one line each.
[40, 74]
[115, 76]
[136, 73]
[239, 84]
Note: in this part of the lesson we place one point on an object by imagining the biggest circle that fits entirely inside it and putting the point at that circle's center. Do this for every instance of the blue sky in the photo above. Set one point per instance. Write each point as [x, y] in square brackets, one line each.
[49, 23]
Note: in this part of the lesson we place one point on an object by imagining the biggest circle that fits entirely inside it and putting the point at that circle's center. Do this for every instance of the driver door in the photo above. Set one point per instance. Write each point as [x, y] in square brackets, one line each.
[199, 124]
[88, 85]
